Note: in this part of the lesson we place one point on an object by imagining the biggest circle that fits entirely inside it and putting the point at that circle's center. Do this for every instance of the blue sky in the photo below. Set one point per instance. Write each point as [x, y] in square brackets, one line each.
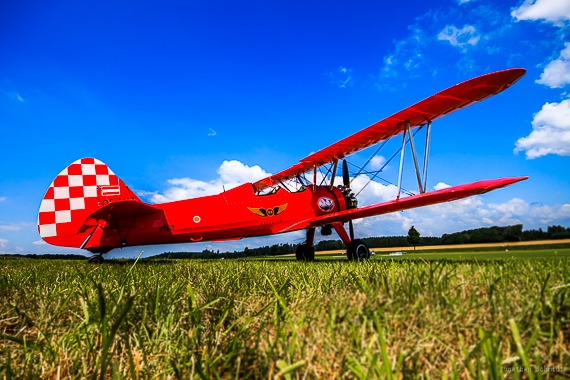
[182, 98]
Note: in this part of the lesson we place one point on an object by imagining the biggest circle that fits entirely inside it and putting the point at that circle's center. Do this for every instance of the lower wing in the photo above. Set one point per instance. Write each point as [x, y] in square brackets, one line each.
[433, 197]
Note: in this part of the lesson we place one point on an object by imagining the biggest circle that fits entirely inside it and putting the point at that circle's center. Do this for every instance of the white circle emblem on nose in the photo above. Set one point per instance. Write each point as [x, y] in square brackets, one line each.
[325, 204]
[196, 219]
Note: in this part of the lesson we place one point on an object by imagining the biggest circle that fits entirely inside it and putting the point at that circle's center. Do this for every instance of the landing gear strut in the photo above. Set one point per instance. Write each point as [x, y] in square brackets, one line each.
[306, 251]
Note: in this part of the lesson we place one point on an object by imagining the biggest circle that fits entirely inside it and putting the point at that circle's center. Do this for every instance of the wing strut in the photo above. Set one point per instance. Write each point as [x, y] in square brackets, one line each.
[402, 154]
[314, 179]
[422, 182]
[333, 174]
[428, 133]
[415, 157]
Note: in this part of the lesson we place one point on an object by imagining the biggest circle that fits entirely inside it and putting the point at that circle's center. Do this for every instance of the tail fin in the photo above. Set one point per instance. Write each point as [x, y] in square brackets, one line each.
[79, 190]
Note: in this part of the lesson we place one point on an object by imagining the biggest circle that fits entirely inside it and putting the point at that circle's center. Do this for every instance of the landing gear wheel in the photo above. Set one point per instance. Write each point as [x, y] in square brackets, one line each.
[305, 253]
[96, 259]
[357, 250]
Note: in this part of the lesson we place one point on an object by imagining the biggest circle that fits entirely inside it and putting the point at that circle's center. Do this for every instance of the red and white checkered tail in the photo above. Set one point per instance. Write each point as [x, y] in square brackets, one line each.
[79, 190]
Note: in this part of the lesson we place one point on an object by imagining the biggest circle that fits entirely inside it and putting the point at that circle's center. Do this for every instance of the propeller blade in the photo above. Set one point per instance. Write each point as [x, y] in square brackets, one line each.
[345, 174]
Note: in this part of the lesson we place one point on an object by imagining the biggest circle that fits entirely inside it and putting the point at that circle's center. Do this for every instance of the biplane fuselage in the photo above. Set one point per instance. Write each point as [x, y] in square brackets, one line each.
[233, 214]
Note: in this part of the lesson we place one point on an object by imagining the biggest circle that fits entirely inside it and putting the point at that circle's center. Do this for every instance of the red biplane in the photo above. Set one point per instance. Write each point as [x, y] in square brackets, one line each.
[87, 206]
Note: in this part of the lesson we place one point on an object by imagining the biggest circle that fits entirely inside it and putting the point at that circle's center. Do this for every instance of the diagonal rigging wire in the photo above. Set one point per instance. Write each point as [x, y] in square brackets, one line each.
[408, 192]
[389, 160]
[371, 157]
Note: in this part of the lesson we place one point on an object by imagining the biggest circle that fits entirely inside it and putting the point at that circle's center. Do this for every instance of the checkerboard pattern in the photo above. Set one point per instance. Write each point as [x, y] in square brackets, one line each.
[73, 195]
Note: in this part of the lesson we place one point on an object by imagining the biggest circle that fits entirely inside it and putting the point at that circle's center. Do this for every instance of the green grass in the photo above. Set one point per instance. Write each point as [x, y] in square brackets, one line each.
[410, 317]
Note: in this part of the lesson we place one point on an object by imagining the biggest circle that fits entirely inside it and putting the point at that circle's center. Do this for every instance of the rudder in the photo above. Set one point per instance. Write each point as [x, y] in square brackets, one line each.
[79, 190]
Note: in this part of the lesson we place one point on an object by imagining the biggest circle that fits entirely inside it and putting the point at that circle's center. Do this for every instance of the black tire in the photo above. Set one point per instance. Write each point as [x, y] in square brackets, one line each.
[357, 250]
[96, 259]
[304, 253]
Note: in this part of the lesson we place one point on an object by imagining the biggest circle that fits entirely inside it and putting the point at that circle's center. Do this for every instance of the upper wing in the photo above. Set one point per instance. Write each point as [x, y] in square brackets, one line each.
[429, 109]
[418, 200]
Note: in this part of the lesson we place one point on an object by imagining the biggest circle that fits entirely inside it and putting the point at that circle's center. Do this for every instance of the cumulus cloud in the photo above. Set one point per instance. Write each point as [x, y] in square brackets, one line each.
[9, 227]
[231, 174]
[377, 162]
[448, 217]
[39, 242]
[557, 73]
[554, 11]
[460, 38]
[441, 185]
[459, 215]
[212, 132]
[550, 132]
[3, 243]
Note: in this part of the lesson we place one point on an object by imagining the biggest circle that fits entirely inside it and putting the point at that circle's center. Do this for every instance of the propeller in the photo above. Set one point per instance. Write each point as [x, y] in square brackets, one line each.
[345, 174]
[351, 201]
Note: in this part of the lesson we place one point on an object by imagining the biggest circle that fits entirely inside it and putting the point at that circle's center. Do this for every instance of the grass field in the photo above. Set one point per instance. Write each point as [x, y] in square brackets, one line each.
[463, 315]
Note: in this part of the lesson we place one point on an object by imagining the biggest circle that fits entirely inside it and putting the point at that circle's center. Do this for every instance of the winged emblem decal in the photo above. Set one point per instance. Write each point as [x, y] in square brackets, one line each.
[263, 212]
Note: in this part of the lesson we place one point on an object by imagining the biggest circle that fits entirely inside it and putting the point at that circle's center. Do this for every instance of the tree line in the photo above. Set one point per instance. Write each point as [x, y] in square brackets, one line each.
[478, 235]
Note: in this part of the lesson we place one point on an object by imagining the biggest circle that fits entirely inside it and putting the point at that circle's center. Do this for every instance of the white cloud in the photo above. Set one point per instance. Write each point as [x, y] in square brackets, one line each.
[449, 217]
[39, 242]
[441, 185]
[374, 192]
[9, 227]
[231, 174]
[377, 162]
[236, 172]
[459, 37]
[2, 199]
[553, 11]
[3, 243]
[550, 132]
[212, 132]
[557, 73]
[465, 214]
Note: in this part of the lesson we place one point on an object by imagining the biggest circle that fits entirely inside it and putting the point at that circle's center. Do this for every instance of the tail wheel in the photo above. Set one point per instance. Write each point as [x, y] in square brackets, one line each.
[357, 250]
[305, 253]
[96, 259]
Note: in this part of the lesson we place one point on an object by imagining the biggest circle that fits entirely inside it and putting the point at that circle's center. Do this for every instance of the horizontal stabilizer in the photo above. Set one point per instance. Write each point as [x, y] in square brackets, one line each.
[105, 226]
[117, 213]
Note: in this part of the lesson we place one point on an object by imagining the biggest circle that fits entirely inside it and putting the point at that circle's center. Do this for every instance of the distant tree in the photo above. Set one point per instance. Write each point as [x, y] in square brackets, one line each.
[513, 233]
[556, 232]
[414, 237]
